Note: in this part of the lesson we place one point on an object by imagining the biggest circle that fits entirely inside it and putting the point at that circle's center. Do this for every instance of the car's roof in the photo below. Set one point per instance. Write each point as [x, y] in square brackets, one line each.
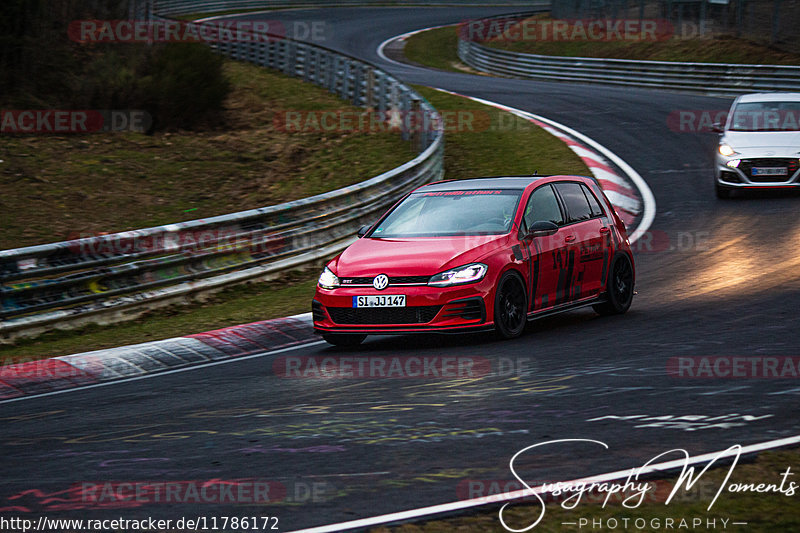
[488, 182]
[770, 97]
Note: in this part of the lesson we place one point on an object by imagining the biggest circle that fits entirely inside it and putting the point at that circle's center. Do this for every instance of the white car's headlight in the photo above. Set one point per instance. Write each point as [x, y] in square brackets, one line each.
[727, 150]
[459, 275]
[328, 280]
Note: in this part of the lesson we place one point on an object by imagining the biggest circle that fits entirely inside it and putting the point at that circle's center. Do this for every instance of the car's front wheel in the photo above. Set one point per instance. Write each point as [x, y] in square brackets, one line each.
[510, 306]
[344, 339]
[619, 288]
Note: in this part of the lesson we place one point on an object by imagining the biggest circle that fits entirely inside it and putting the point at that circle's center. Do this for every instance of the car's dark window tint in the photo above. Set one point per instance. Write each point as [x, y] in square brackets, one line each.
[593, 203]
[543, 205]
[451, 213]
[577, 206]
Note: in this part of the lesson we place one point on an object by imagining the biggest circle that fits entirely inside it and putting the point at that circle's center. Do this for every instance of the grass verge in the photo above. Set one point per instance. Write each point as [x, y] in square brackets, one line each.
[484, 141]
[436, 48]
[59, 187]
[767, 513]
[499, 143]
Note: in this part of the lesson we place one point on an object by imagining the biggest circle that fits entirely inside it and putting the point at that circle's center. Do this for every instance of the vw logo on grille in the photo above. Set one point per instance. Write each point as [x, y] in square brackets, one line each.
[380, 282]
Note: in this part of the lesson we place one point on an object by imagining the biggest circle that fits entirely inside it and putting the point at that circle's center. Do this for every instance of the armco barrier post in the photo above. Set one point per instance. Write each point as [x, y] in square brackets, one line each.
[333, 69]
[370, 92]
[357, 81]
[416, 124]
[382, 95]
[345, 94]
[290, 49]
[405, 108]
[308, 60]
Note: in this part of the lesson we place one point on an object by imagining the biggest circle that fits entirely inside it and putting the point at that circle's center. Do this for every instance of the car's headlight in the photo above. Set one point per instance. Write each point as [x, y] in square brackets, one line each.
[459, 275]
[727, 150]
[328, 280]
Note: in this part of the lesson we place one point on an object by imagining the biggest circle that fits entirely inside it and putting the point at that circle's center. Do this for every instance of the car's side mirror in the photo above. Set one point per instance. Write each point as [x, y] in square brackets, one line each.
[542, 228]
[717, 127]
[363, 230]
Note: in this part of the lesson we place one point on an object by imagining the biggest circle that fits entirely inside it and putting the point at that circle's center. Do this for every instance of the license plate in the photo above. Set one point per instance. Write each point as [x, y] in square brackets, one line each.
[769, 171]
[384, 300]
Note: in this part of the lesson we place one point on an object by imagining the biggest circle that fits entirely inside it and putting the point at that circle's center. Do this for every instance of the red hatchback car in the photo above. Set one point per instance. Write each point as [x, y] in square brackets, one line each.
[478, 254]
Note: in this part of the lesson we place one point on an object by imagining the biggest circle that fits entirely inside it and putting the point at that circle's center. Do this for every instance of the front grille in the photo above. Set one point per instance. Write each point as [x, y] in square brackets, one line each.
[747, 165]
[384, 315]
[398, 280]
[402, 280]
[471, 309]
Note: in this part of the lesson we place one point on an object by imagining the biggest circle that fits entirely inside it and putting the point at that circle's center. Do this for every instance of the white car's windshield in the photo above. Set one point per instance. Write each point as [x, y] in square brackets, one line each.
[766, 116]
[451, 213]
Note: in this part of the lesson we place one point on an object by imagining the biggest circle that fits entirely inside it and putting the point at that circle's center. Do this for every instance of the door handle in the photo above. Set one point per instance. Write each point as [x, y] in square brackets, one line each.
[604, 229]
[569, 238]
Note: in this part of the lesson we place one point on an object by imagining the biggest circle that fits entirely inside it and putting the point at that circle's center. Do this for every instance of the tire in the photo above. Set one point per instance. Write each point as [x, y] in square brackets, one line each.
[723, 193]
[344, 339]
[619, 288]
[510, 306]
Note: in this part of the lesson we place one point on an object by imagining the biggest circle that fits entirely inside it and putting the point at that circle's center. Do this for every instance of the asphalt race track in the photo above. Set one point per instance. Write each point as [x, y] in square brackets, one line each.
[714, 278]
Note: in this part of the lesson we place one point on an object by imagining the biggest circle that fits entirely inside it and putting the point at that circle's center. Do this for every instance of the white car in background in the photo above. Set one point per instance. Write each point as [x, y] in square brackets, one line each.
[760, 144]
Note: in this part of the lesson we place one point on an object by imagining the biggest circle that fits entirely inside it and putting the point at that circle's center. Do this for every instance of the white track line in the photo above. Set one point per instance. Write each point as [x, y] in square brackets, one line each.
[261, 12]
[610, 476]
[649, 201]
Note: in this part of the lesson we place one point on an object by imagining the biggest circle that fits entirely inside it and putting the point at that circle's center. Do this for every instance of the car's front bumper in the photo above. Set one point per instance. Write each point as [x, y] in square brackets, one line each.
[428, 309]
[741, 176]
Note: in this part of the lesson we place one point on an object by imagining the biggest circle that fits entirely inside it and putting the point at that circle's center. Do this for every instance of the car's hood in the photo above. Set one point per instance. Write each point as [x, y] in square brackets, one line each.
[422, 256]
[784, 143]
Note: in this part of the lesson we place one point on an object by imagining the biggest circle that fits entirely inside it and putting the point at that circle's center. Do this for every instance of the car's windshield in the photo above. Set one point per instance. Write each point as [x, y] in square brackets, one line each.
[766, 116]
[451, 213]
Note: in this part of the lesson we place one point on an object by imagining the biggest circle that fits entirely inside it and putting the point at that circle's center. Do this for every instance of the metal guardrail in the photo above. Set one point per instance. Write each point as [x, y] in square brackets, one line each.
[706, 78]
[69, 281]
[183, 7]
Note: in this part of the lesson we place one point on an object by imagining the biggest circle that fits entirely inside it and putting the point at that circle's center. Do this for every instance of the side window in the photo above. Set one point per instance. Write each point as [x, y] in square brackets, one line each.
[597, 211]
[577, 206]
[543, 205]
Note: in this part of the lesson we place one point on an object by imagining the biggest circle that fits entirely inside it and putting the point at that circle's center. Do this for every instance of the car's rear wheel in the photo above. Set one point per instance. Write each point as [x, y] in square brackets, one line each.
[619, 289]
[510, 306]
[344, 339]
